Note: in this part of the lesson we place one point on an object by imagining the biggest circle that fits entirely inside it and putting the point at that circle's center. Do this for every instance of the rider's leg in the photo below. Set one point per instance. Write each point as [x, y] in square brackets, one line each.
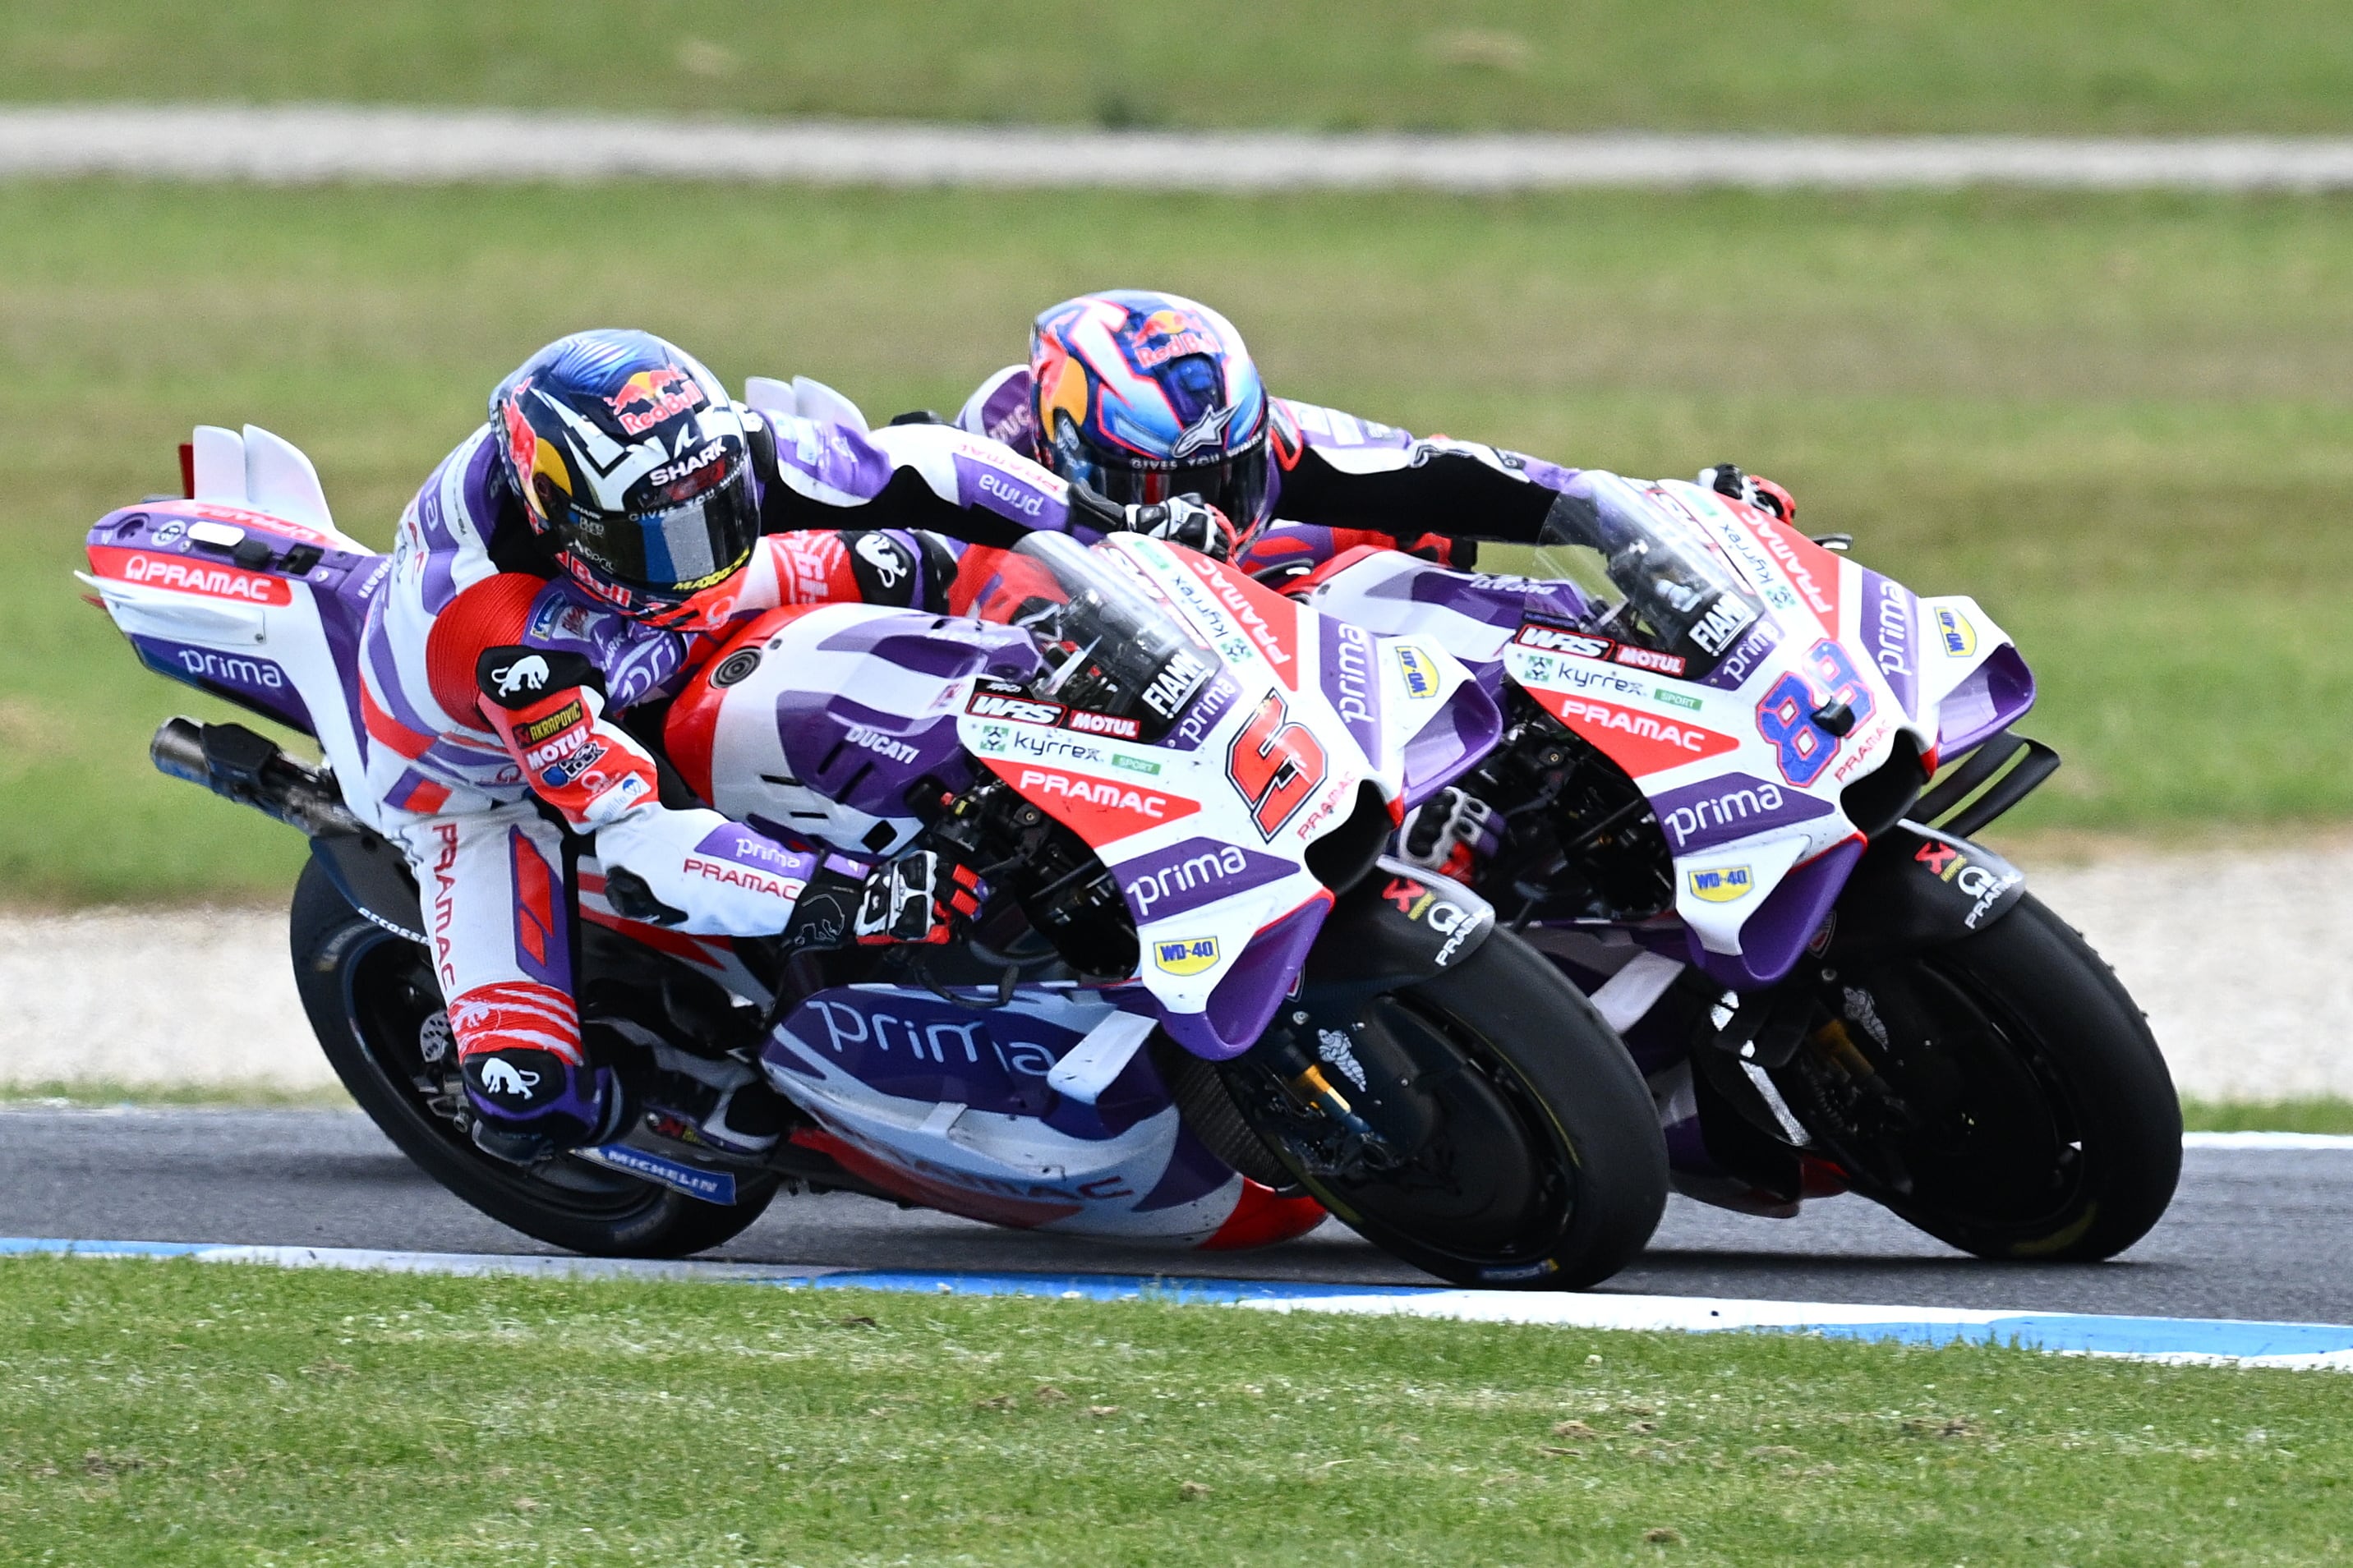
[499, 914]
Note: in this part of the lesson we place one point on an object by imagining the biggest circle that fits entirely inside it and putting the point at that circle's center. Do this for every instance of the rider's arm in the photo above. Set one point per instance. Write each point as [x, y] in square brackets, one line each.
[1336, 471]
[932, 477]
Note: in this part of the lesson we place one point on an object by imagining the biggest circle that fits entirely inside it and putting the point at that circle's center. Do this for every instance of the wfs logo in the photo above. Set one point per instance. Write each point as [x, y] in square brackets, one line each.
[1723, 885]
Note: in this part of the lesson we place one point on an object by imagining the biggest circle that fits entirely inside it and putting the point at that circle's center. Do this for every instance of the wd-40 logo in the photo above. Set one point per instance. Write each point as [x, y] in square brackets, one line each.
[1190, 955]
[1960, 636]
[1420, 675]
[1722, 885]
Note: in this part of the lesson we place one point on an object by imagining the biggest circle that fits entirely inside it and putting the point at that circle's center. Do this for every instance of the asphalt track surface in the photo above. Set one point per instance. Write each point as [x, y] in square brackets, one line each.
[2254, 1234]
[309, 142]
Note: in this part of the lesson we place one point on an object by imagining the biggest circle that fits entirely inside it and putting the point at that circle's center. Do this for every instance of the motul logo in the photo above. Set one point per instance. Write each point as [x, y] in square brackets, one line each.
[190, 576]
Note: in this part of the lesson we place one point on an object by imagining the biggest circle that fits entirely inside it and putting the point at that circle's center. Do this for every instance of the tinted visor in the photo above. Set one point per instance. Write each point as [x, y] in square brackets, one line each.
[672, 551]
[1235, 484]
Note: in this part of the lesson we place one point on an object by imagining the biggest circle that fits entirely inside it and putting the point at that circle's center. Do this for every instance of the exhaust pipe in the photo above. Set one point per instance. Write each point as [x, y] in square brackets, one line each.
[236, 764]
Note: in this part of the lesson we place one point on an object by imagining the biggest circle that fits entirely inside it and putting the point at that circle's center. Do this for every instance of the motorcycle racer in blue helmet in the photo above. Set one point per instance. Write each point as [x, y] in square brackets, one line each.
[1150, 398]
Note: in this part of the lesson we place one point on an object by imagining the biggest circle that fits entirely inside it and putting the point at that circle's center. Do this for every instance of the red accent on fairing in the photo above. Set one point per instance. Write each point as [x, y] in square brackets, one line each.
[189, 470]
[188, 574]
[1021, 1213]
[1298, 586]
[1811, 568]
[993, 584]
[492, 613]
[388, 730]
[1097, 810]
[516, 1014]
[425, 798]
[1262, 1217]
[689, 728]
[1639, 741]
[1265, 616]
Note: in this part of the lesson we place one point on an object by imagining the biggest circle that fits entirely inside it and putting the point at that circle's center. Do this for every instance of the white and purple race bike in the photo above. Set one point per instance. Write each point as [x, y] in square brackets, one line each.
[1202, 1005]
[1734, 799]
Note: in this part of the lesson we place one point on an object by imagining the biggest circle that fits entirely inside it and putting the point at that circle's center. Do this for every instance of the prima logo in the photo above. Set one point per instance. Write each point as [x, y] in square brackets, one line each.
[1154, 887]
[232, 670]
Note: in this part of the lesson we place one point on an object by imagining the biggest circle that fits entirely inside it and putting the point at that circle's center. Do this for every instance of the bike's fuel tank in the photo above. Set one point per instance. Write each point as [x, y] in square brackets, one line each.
[820, 720]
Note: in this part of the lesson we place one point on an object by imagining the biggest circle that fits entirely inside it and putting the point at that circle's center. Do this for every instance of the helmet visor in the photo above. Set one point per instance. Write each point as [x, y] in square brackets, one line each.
[1235, 483]
[672, 551]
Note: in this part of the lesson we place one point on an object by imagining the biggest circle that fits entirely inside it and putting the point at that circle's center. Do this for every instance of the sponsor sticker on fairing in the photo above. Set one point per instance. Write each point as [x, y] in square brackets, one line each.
[1186, 955]
[1722, 884]
[1956, 632]
[1419, 674]
[1547, 639]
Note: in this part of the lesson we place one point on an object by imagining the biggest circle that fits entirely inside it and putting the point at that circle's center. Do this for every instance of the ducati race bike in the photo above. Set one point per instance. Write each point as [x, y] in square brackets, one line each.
[1735, 799]
[1200, 1006]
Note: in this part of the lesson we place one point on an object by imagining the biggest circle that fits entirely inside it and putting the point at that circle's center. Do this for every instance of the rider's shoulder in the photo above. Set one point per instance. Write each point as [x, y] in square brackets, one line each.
[1000, 409]
[1333, 428]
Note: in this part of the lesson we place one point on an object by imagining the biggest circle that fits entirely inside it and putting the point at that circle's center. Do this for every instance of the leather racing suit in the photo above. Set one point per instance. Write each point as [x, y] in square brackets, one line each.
[490, 687]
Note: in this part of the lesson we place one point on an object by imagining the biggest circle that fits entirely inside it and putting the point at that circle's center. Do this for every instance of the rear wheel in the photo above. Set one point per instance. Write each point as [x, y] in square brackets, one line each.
[376, 1009]
[2002, 1093]
[1520, 1147]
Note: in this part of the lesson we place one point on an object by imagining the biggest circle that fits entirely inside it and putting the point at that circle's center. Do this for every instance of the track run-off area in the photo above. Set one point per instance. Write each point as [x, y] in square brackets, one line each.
[313, 142]
[2251, 1265]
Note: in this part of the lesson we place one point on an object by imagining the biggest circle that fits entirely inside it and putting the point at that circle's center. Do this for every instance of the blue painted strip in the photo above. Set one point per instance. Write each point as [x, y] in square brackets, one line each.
[2247, 1342]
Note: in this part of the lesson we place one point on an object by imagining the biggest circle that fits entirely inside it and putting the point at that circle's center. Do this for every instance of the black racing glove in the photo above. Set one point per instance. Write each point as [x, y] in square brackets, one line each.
[917, 898]
[1187, 520]
[1726, 480]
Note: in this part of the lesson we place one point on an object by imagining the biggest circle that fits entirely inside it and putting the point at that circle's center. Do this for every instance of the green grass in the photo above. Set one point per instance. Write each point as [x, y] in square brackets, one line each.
[2120, 423]
[1813, 65]
[196, 1414]
[80, 1092]
[2320, 1114]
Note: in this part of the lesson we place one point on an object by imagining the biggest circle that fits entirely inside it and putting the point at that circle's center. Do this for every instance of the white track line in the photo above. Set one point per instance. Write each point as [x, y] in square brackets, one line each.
[304, 143]
[2291, 1346]
[2308, 1141]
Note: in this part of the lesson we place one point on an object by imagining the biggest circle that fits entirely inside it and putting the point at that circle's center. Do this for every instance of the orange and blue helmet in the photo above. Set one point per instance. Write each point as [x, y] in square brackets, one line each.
[635, 467]
[1142, 396]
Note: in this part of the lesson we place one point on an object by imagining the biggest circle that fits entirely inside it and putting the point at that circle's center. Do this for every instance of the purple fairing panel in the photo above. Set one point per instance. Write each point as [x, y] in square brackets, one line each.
[938, 644]
[832, 456]
[1349, 682]
[1891, 622]
[1245, 1000]
[914, 1046]
[1464, 730]
[1729, 807]
[1742, 660]
[865, 758]
[1491, 601]
[1994, 696]
[1775, 935]
[1193, 1172]
[1211, 703]
[1182, 878]
[246, 679]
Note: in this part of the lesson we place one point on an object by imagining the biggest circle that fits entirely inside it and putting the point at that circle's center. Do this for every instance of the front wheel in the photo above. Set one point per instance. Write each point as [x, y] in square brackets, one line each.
[1532, 1159]
[377, 1011]
[2002, 1093]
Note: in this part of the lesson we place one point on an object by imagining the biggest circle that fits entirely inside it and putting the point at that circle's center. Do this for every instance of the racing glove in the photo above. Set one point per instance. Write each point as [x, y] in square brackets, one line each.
[1726, 480]
[1187, 520]
[918, 898]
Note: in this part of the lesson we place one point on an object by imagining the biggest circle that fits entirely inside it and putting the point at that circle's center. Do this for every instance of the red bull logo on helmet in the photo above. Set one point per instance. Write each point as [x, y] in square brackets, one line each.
[1165, 335]
[650, 397]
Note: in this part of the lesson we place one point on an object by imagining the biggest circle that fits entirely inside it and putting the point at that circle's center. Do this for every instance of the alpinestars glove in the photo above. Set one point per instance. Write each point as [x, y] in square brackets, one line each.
[1184, 520]
[916, 897]
[1726, 480]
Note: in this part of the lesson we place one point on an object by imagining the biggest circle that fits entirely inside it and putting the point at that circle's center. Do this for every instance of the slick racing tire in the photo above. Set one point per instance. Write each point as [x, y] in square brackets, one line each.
[1538, 1163]
[371, 996]
[2040, 1120]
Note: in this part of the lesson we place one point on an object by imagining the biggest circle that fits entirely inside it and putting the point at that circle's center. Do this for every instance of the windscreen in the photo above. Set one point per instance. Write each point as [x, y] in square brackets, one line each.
[1647, 574]
[1108, 645]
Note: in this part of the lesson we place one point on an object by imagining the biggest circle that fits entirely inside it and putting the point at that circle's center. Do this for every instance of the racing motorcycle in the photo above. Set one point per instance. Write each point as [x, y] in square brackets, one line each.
[1200, 1005]
[1735, 799]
